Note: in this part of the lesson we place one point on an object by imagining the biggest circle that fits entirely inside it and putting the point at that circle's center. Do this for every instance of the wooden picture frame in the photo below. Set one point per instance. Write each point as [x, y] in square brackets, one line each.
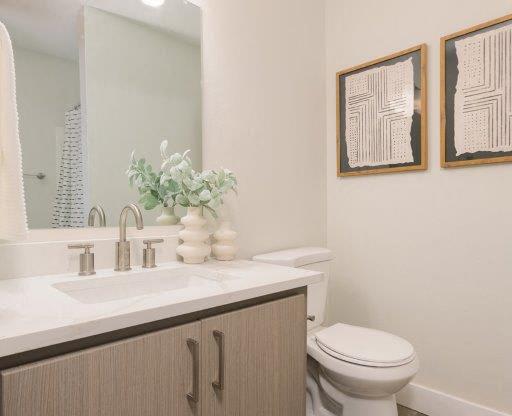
[418, 142]
[448, 156]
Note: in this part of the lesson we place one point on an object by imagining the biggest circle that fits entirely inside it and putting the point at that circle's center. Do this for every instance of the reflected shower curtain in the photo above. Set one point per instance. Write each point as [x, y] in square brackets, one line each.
[69, 204]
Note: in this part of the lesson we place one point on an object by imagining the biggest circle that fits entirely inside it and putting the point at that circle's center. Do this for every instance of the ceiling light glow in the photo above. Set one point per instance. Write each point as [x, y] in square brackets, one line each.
[153, 3]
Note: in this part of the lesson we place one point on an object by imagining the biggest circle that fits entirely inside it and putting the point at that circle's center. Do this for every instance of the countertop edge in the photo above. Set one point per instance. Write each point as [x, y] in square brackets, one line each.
[47, 338]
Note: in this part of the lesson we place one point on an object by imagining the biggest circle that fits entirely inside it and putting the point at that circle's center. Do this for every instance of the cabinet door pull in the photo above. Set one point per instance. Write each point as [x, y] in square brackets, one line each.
[194, 348]
[219, 337]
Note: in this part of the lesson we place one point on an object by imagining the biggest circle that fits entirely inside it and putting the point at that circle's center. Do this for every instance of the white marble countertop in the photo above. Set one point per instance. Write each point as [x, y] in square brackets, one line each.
[34, 313]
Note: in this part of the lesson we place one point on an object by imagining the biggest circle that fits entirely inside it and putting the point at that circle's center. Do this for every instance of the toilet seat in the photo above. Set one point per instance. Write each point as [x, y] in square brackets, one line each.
[360, 380]
[364, 346]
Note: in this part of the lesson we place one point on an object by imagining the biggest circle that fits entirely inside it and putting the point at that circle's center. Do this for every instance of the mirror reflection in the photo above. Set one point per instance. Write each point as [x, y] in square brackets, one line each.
[117, 76]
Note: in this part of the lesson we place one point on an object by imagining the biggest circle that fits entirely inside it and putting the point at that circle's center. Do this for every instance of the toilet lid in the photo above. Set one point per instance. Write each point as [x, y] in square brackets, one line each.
[364, 346]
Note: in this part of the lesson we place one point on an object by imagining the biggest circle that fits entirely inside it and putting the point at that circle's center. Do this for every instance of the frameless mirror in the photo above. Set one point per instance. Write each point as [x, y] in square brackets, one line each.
[97, 79]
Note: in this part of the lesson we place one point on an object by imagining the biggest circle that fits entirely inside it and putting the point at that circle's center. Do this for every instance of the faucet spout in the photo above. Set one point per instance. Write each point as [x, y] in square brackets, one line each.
[123, 246]
[99, 211]
[124, 216]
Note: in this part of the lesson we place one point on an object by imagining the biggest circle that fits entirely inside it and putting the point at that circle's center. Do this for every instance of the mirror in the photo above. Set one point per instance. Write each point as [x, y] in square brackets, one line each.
[95, 80]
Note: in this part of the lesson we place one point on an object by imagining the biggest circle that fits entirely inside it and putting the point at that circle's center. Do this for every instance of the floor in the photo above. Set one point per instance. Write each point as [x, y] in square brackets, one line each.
[404, 411]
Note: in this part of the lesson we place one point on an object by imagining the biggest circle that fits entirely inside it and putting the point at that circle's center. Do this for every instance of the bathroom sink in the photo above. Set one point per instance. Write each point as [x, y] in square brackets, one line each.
[133, 284]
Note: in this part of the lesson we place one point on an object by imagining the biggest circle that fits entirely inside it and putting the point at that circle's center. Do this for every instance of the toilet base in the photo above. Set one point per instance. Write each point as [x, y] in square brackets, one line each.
[326, 400]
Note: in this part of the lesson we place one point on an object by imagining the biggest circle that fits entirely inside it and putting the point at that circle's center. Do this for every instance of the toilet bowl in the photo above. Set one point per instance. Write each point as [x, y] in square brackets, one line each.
[358, 387]
[352, 371]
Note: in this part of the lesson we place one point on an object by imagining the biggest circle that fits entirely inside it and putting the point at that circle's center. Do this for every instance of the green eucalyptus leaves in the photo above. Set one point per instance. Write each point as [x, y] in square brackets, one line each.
[178, 184]
[153, 191]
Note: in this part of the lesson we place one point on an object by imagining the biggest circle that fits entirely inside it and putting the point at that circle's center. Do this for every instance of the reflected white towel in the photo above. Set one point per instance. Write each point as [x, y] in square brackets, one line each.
[13, 217]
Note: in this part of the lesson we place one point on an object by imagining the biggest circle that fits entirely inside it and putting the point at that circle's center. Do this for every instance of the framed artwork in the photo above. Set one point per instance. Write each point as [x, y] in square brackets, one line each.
[381, 115]
[476, 95]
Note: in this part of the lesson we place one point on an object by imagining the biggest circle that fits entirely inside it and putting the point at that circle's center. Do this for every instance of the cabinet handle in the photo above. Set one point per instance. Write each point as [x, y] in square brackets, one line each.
[219, 337]
[194, 348]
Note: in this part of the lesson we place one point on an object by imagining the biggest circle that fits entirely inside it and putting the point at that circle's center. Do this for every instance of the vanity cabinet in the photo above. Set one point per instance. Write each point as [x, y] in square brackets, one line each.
[146, 375]
[251, 361]
[258, 357]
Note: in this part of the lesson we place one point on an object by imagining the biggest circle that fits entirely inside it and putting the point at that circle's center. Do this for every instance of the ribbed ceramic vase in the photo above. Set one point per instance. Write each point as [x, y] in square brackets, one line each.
[224, 247]
[194, 248]
[168, 217]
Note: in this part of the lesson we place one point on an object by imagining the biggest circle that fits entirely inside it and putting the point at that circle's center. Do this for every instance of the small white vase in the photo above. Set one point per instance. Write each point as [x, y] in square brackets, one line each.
[194, 248]
[167, 217]
[224, 247]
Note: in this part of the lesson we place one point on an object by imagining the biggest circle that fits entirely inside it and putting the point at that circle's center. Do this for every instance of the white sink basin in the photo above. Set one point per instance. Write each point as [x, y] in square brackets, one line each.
[133, 284]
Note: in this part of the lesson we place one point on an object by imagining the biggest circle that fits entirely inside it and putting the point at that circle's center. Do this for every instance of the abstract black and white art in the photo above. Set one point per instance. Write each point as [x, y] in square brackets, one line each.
[476, 97]
[380, 115]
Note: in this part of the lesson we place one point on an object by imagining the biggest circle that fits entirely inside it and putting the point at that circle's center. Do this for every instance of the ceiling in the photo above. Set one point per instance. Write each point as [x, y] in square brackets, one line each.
[178, 16]
[51, 26]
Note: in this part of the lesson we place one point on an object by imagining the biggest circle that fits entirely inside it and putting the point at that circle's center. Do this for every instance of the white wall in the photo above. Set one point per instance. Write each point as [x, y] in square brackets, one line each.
[425, 255]
[142, 85]
[264, 116]
[47, 87]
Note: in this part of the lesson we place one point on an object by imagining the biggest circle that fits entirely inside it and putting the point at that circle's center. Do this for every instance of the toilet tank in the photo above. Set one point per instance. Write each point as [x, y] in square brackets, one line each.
[309, 258]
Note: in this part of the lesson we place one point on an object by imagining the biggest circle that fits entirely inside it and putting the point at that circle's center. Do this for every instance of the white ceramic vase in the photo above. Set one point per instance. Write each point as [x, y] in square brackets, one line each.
[168, 217]
[194, 248]
[224, 247]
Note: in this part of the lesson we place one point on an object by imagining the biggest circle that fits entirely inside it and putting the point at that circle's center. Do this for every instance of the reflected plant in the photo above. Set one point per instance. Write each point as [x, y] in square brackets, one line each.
[153, 190]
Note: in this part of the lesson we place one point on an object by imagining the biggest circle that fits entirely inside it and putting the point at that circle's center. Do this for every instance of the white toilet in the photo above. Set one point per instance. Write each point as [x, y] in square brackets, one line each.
[352, 371]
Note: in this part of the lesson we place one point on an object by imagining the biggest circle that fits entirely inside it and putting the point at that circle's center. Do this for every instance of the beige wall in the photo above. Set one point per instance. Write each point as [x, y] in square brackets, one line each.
[424, 255]
[47, 87]
[142, 86]
[264, 116]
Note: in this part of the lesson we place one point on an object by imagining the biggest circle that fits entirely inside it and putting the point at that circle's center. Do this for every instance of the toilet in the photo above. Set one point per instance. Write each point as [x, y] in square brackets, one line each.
[352, 371]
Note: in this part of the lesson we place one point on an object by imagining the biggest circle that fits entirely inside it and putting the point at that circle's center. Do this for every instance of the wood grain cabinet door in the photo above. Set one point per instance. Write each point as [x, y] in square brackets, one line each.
[149, 375]
[254, 360]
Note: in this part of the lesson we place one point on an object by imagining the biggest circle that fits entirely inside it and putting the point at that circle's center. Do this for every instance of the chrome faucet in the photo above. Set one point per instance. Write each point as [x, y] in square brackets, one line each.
[97, 210]
[123, 246]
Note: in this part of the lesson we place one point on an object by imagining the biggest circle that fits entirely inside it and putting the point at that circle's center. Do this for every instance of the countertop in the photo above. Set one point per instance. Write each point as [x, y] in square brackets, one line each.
[34, 313]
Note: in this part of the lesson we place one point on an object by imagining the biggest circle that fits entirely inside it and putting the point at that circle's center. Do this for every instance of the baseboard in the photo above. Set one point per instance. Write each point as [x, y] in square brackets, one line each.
[435, 403]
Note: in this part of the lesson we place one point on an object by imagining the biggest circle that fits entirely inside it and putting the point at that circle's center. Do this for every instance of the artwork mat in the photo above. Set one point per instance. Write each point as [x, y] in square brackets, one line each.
[422, 48]
[472, 162]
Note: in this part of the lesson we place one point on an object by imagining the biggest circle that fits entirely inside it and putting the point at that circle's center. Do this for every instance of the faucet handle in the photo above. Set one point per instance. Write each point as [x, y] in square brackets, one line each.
[148, 260]
[86, 246]
[86, 258]
[152, 241]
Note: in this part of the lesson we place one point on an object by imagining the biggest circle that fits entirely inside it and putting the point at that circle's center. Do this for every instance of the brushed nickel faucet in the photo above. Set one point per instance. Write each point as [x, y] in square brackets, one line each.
[149, 253]
[86, 258]
[97, 210]
[123, 246]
